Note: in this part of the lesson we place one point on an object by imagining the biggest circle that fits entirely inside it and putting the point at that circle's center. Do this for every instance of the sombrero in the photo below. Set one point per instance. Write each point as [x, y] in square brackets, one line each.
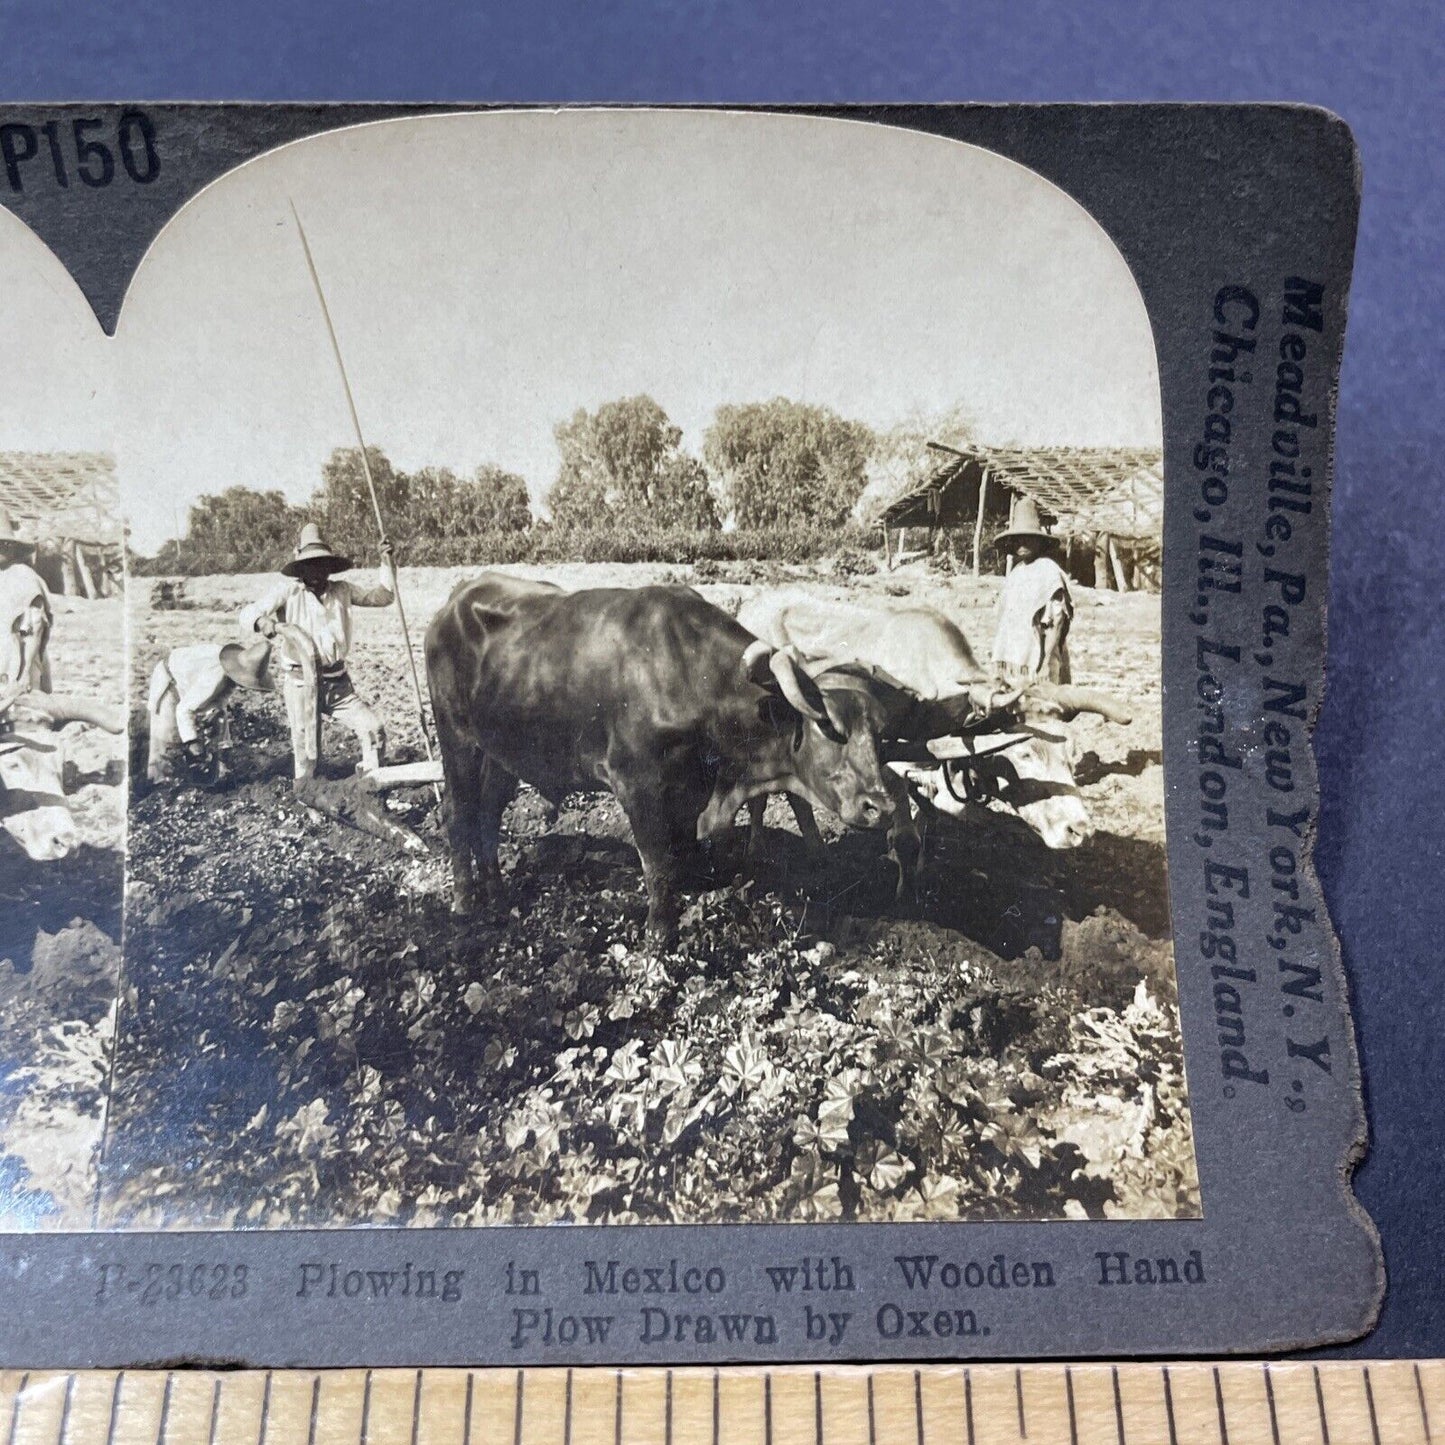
[1024, 523]
[248, 665]
[310, 548]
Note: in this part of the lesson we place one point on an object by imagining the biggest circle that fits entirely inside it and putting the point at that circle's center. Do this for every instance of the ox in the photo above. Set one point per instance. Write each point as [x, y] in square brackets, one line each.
[987, 741]
[33, 810]
[652, 693]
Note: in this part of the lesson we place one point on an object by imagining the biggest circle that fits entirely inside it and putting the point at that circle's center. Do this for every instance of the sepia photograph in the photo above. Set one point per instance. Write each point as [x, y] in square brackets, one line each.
[62, 750]
[642, 656]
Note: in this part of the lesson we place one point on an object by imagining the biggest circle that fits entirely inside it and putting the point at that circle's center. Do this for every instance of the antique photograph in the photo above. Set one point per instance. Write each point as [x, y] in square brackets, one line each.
[62, 750]
[643, 669]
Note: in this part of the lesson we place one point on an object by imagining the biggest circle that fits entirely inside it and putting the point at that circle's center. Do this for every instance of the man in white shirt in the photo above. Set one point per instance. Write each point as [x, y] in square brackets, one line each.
[188, 689]
[311, 599]
[25, 617]
[1034, 608]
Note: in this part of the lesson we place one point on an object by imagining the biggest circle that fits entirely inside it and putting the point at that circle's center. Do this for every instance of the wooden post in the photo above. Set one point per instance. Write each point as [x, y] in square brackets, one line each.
[68, 580]
[1101, 561]
[1117, 562]
[82, 571]
[978, 524]
[887, 549]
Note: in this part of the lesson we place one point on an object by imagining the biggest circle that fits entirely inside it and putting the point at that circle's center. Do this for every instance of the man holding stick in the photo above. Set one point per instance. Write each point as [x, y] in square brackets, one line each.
[313, 600]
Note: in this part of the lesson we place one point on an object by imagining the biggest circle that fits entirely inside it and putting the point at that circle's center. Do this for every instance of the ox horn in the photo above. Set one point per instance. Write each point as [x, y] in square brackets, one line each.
[61, 708]
[796, 682]
[991, 697]
[1074, 700]
[789, 672]
[755, 660]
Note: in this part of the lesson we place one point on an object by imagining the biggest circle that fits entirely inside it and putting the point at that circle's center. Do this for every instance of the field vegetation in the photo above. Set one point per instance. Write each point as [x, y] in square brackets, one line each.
[309, 1038]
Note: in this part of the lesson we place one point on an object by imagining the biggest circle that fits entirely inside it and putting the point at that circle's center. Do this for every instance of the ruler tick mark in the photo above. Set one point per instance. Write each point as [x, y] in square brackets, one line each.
[1169, 1408]
[1019, 1395]
[767, 1407]
[517, 1412]
[818, 1406]
[567, 1410]
[616, 1416]
[1320, 1401]
[216, 1412]
[416, 1408]
[1424, 1413]
[18, 1400]
[366, 1410]
[467, 1413]
[315, 1407]
[1219, 1406]
[70, 1396]
[716, 1416]
[165, 1407]
[918, 1404]
[968, 1403]
[1269, 1395]
[265, 1407]
[114, 1406]
[1073, 1418]
[872, 1423]
[1118, 1406]
[667, 1427]
[1370, 1401]
[15, 1409]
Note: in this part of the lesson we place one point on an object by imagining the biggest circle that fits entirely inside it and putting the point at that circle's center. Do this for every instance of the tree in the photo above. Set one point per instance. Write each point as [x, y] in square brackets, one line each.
[499, 500]
[625, 463]
[784, 461]
[442, 506]
[240, 530]
[342, 506]
[901, 457]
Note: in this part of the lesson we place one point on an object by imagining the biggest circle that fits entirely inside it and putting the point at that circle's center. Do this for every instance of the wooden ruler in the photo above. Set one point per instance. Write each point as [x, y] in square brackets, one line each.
[1385, 1402]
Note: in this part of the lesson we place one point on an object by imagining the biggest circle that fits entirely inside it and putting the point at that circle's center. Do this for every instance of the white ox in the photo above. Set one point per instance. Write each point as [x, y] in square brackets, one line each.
[33, 810]
[983, 741]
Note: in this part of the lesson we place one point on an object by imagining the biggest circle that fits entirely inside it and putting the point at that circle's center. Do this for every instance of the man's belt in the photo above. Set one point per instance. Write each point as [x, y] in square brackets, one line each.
[330, 672]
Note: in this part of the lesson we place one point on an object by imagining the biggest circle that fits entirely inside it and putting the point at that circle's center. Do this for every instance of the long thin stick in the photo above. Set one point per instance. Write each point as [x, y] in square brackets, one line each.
[370, 482]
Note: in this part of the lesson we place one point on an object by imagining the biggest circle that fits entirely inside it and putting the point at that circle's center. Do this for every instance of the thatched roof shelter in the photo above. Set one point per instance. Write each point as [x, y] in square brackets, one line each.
[1114, 490]
[68, 504]
[62, 495]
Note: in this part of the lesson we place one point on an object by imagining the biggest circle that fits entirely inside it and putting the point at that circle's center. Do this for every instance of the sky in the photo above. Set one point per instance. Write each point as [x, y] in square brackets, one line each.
[55, 393]
[489, 274]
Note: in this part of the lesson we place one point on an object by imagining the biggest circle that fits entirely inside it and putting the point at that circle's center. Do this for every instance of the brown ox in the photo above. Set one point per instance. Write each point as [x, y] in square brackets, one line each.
[651, 692]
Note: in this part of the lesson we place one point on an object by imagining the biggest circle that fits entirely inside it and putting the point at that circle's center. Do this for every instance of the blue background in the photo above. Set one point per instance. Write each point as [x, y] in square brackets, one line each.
[1380, 66]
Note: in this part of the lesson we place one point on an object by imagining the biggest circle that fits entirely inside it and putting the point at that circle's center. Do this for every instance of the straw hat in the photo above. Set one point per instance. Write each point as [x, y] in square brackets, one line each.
[311, 549]
[248, 665]
[12, 545]
[1023, 524]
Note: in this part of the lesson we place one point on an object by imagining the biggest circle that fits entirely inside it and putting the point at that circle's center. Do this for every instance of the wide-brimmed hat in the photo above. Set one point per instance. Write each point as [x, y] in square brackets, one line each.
[11, 543]
[1024, 523]
[248, 665]
[311, 549]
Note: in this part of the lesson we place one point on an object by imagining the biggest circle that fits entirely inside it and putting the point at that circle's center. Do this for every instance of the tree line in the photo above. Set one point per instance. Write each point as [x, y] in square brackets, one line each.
[784, 475]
